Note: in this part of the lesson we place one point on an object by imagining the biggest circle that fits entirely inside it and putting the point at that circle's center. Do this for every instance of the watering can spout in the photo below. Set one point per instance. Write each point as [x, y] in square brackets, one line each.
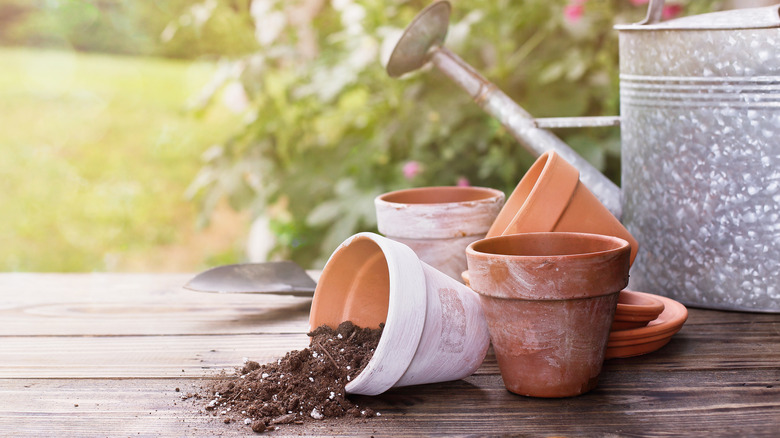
[422, 42]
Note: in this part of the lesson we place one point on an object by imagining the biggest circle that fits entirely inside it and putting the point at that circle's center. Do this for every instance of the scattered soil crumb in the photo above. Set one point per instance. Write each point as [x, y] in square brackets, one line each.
[303, 386]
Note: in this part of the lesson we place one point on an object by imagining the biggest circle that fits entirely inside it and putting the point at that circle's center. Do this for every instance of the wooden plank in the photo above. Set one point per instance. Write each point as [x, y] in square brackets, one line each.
[46, 288]
[137, 356]
[155, 304]
[116, 304]
[719, 317]
[82, 318]
[191, 313]
[702, 347]
[637, 403]
[92, 408]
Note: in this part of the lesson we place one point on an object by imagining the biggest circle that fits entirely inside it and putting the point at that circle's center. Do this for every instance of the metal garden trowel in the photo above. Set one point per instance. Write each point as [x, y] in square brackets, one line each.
[278, 278]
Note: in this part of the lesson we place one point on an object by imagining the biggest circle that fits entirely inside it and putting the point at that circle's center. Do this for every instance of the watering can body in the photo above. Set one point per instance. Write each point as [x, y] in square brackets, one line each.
[700, 128]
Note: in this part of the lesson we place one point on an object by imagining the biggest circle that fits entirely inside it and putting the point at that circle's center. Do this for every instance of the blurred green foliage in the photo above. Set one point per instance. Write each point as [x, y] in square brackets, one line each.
[97, 151]
[170, 28]
[328, 130]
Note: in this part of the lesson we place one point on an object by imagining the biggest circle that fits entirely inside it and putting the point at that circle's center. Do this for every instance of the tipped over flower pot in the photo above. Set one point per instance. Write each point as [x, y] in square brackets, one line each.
[434, 331]
[438, 223]
[549, 300]
[550, 197]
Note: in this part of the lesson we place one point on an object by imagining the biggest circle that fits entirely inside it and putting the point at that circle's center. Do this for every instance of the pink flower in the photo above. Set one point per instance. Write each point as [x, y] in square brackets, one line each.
[573, 12]
[411, 169]
[671, 11]
[639, 2]
[463, 182]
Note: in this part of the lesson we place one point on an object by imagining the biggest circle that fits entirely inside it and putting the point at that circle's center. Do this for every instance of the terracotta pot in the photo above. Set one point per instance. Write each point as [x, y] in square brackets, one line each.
[434, 331]
[550, 197]
[438, 223]
[549, 299]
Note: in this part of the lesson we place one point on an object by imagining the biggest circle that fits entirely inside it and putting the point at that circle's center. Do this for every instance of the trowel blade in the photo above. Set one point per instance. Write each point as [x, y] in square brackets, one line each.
[280, 278]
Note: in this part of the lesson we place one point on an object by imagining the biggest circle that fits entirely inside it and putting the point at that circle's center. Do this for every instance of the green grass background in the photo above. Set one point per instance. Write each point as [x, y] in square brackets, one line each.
[96, 152]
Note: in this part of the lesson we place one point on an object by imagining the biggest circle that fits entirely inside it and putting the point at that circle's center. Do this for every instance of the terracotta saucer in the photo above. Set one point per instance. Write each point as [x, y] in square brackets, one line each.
[636, 349]
[671, 319]
[636, 309]
[642, 340]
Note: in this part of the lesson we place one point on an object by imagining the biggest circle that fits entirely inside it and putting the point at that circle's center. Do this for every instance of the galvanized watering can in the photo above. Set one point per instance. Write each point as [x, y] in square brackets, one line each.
[700, 127]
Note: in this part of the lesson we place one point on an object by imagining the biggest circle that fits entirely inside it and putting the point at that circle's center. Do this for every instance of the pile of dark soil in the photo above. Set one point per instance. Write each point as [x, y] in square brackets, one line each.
[303, 386]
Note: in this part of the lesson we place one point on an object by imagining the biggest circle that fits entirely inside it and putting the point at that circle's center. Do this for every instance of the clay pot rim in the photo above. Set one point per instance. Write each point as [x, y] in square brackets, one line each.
[426, 213]
[479, 194]
[618, 245]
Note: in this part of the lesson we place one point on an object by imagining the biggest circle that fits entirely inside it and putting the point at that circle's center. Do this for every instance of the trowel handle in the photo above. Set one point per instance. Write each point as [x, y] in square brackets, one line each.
[522, 125]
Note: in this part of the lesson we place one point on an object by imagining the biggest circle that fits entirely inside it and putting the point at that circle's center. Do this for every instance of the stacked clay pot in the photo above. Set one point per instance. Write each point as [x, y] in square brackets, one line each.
[551, 198]
[438, 223]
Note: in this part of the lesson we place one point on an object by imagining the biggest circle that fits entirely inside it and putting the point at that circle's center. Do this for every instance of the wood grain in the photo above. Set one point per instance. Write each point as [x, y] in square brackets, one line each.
[625, 403]
[137, 356]
[701, 347]
[117, 345]
[138, 304]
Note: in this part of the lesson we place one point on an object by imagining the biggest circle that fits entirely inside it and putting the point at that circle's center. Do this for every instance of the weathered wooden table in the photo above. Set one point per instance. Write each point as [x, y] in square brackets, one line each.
[103, 354]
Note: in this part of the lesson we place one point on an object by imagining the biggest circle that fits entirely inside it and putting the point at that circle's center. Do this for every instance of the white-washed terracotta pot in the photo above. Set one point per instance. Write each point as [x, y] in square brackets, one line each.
[435, 330]
[438, 223]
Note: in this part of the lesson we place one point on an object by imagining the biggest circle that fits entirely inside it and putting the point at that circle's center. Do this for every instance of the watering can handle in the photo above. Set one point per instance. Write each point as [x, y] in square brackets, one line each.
[655, 11]
[522, 125]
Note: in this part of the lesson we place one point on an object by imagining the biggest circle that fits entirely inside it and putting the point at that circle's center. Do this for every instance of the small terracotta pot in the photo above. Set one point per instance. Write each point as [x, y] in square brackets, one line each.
[438, 223]
[549, 299]
[435, 330]
[657, 333]
[550, 197]
[635, 310]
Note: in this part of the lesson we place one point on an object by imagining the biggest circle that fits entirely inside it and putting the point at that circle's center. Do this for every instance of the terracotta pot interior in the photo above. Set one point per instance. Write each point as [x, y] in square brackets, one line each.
[438, 195]
[548, 244]
[354, 286]
[519, 197]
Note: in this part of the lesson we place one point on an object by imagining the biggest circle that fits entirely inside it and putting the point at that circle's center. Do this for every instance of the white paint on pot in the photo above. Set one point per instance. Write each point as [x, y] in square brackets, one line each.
[438, 223]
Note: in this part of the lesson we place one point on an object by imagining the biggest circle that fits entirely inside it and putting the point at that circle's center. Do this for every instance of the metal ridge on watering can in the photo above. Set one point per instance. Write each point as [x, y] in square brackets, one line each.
[737, 19]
